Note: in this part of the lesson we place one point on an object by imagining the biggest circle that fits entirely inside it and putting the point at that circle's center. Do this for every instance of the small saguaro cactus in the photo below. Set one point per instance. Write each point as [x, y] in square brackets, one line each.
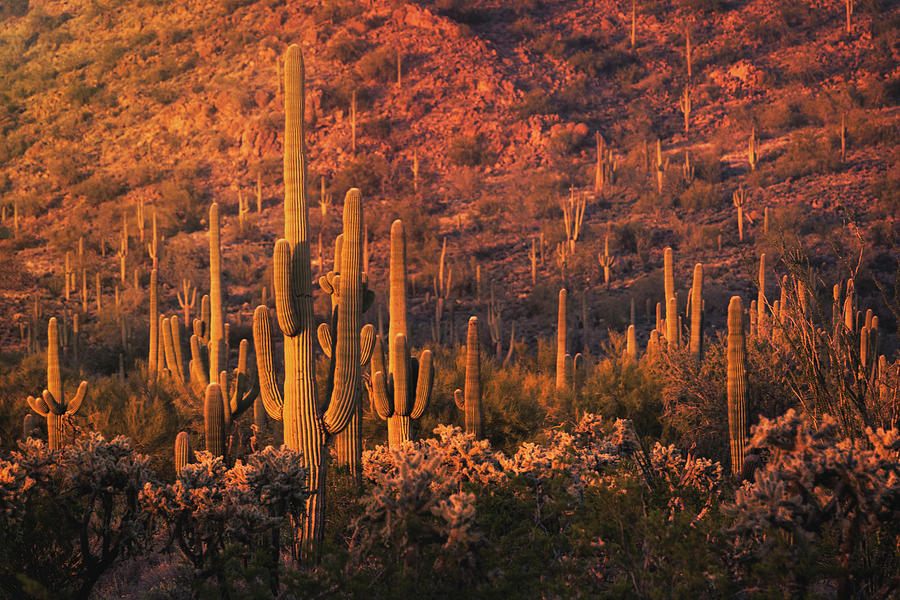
[685, 105]
[214, 419]
[736, 382]
[470, 400]
[402, 395]
[660, 167]
[52, 404]
[697, 314]
[30, 427]
[573, 216]
[607, 261]
[753, 150]
[738, 198]
[630, 344]
[187, 299]
[184, 455]
[561, 334]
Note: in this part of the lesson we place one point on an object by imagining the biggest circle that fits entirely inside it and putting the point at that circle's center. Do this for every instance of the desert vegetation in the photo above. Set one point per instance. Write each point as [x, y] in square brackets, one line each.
[464, 297]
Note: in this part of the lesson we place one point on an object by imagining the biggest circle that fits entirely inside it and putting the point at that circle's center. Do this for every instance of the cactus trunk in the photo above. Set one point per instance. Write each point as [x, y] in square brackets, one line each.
[737, 385]
[561, 380]
[697, 315]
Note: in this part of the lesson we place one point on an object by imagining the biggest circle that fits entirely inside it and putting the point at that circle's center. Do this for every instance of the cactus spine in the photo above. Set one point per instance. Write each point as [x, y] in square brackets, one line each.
[52, 404]
[737, 385]
[697, 314]
[561, 380]
[470, 401]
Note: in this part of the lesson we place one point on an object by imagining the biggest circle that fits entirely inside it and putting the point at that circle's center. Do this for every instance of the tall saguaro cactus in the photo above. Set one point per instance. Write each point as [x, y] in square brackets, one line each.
[305, 427]
[345, 341]
[737, 385]
[697, 314]
[52, 405]
[561, 334]
[470, 400]
[152, 360]
[401, 392]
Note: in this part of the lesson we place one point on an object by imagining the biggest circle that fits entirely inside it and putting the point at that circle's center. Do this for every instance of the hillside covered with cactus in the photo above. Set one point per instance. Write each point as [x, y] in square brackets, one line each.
[551, 298]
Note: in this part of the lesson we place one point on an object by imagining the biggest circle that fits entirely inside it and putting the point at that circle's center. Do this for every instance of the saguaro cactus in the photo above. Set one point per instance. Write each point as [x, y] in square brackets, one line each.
[561, 334]
[697, 314]
[737, 385]
[402, 395]
[52, 404]
[470, 401]
[183, 453]
[152, 360]
[762, 325]
[344, 341]
[214, 419]
[305, 426]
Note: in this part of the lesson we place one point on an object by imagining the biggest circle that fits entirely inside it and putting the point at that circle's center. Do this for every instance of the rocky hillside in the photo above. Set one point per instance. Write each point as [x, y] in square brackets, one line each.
[494, 104]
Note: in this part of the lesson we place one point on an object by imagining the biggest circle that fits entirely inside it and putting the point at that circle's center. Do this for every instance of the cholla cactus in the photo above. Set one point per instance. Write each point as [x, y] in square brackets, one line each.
[470, 401]
[52, 404]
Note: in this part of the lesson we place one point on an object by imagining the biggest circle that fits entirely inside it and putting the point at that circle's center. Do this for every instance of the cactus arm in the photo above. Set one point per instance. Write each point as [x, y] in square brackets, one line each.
[459, 399]
[75, 403]
[54, 407]
[244, 390]
[38, 405]
[366, 344]
[285, 306]
[168, 348]
[400, 377]
[324, 335]
[325, 284]
[262, 341]
[198, 372]
[381, 397]
[175, 328]
[424, 384]
[377, 356]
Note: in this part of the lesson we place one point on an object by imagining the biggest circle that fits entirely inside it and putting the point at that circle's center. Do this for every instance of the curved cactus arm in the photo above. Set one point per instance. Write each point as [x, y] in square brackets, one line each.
[226, 405]
[175, 327]
[198, 371]
[262, 340]
[285, 306]
[168, 348]
[325, 283]
[378, 356]
[400, 376]
[38, 405]
[75, 403]
[54, 407]
[325, 342]
[459, 399]
[381, 396]
[366, 344]
[424, 384]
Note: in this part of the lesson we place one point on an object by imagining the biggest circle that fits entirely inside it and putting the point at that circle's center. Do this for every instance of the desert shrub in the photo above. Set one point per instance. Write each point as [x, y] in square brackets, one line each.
[339, 95]
[523, 27]
[701, 196]
[469, 151]
[378, 65]
[100, 187]
[80, 93]
[345, 47]
[336, 11]
[366, 172]
[69, 516]
[535, 102]
[820, 506]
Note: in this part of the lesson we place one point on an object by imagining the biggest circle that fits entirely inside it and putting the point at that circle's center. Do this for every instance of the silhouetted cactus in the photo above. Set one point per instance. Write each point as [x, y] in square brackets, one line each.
[470, 401]
[52, 404]
[214, 419]
[736, 382]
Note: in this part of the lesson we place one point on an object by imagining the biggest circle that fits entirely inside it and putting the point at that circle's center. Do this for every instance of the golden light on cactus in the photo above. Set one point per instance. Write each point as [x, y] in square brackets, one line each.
[736, 382]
